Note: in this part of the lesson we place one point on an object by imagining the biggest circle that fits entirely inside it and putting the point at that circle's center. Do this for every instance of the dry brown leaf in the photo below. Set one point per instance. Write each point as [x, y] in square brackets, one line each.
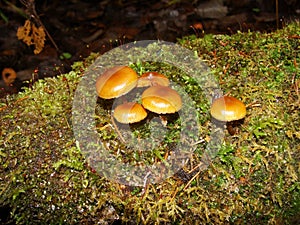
[31, 35]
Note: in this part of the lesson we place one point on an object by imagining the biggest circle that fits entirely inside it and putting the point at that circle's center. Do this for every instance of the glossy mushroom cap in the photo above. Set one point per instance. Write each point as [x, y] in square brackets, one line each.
[152, 79]
[161, 100]
[116, 81]
[228, 109]
[129, 112]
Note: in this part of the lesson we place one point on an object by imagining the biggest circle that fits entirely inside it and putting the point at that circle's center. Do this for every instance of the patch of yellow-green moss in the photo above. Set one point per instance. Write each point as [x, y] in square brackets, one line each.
[254, 180]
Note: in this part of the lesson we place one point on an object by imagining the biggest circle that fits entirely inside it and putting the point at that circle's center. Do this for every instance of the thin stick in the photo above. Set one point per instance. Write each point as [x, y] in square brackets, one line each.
[277, 16]
[117, 130]
[30, 5]
[190, 181]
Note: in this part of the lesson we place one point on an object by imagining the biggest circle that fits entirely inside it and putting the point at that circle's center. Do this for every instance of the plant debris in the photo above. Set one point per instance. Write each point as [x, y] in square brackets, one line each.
[31, 35]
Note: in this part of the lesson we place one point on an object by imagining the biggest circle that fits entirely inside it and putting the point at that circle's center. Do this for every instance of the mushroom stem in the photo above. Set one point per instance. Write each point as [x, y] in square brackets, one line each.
[233, 126]
[232, 130]
[164, 120]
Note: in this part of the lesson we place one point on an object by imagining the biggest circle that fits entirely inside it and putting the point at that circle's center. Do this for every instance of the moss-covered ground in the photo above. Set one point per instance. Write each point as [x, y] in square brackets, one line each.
[44, 178]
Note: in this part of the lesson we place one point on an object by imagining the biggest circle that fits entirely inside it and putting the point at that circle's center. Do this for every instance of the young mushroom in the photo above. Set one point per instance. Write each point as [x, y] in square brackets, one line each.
[116, 81]
[230, 110]
[152, 79]
[129, 112]
[161, 100]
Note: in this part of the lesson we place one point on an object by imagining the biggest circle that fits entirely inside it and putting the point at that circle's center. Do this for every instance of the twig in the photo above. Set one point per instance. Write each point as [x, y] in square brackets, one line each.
[18, 100]
[117, 130]
[277, 16]
[30, 5]
[190, 181]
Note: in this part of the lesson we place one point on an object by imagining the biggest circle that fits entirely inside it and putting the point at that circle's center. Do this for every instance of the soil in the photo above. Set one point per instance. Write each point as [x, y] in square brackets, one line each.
[81, 27]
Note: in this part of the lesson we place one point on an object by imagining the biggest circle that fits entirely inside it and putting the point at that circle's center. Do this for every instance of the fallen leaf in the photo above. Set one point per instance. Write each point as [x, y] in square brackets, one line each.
[31, 35]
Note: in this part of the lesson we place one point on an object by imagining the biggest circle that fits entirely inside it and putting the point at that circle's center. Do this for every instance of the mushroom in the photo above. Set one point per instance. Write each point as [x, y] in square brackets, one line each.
[116, 81]
[161, 100]
[152, 79]
[129, 112]
[230, 110]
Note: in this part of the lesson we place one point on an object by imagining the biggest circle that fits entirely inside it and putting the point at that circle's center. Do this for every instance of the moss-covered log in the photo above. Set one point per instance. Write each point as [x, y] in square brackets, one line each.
[44, 178]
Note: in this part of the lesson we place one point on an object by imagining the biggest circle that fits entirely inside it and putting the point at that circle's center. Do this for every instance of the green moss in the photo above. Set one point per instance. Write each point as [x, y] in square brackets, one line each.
[254, 180]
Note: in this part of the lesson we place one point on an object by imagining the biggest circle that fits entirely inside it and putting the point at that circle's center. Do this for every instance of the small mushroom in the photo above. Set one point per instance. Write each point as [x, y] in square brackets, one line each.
[116, 81]
[230, 110]
[161, 100]
[129, 112]
[152, 79]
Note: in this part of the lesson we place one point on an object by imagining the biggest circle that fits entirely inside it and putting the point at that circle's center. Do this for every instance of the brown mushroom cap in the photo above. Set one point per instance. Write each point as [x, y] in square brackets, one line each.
[129, 112]
[161, 100]
[152, 79]
[116, 81]
[228, 109]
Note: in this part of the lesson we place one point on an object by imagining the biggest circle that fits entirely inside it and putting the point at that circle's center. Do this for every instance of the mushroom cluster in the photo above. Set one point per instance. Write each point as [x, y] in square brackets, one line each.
[157, 97]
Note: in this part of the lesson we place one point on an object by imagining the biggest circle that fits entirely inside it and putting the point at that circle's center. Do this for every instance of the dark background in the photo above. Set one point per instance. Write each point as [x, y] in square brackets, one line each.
[81, 27]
